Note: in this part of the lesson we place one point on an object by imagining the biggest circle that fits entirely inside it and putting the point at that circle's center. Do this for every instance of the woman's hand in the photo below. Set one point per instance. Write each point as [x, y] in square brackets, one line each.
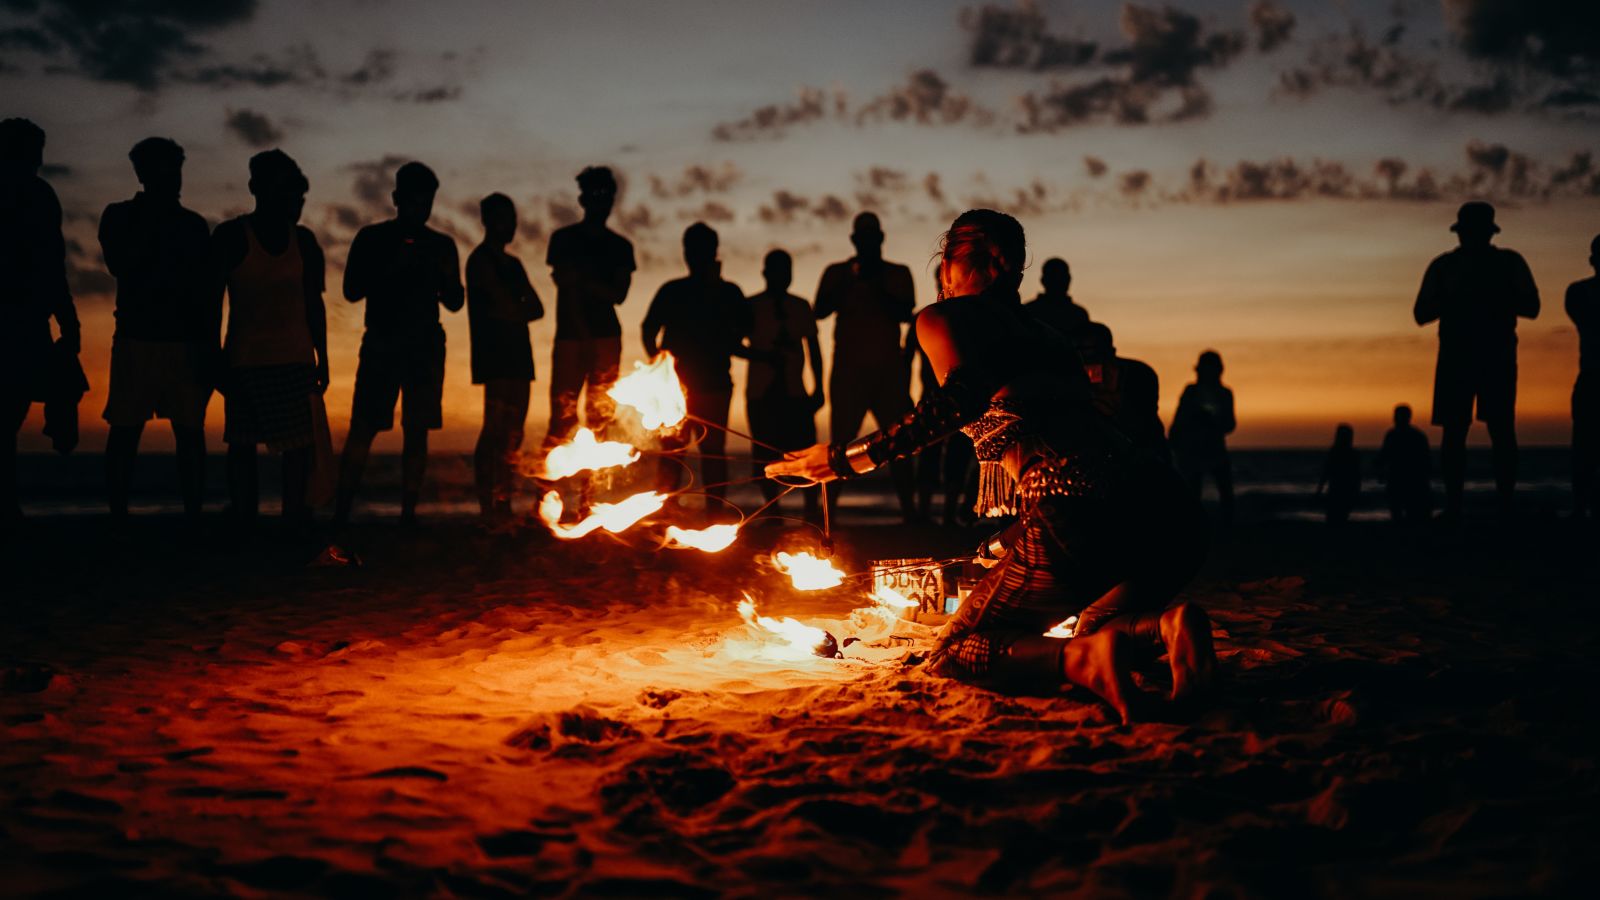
[810, 464]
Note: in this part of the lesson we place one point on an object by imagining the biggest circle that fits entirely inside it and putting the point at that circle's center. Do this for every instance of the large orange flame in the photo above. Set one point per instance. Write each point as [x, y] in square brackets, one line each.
[655, 391]
[807, 572]
[711, 539]
[585, 453]
[613, 517]
[797, 640]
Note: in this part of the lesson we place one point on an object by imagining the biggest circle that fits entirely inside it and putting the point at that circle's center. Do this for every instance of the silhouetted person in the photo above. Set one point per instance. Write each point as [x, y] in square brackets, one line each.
[592, 267]
[500, 304]
[1200, 429]
[702, 321]
[276, 350]
[1583, 307]
[872, 298]
[405, 271]
[33, 290]
[1340, 484]
[1406, 466]
[1476, 292]
[1126, 390]
[161, 352]
[783, 335]
[1054, 305]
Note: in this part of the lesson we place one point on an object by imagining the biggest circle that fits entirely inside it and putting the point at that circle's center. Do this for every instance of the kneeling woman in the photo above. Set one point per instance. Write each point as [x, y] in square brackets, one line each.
[1104, 532]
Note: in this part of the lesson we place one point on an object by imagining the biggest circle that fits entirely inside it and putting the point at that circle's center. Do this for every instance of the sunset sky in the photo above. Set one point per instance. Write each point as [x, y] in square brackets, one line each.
[1266, 179]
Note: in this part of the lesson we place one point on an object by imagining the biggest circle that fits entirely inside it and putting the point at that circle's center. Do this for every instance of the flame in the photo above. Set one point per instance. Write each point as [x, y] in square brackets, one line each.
[655, 391]
[884, 595]
[798, 641]
[613, 517]
[710, 539]
[584, 453]
[1064, 629]
[807, 572]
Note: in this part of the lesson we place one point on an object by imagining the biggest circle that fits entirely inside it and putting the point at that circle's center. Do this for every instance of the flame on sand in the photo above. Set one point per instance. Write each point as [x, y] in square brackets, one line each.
[613, 517]
[1064, 629]
[585, 453]
[807, 572]
[797, 640]
[654, 390]
[710, 539]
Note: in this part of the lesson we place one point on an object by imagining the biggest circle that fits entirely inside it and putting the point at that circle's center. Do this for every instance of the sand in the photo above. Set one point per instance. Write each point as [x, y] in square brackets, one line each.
[485, 715]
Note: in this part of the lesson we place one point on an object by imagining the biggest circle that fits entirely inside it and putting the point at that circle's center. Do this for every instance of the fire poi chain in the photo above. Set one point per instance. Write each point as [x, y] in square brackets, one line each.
[654, 391]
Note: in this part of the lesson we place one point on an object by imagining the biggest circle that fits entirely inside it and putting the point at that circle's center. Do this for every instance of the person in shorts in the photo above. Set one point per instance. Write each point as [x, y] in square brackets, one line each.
[276, 349]
[405, 271]
[159, 252]
[500, 304]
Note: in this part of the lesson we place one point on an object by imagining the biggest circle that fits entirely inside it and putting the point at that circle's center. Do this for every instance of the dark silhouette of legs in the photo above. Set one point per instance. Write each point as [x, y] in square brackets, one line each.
[122, 446]
[190, 443]
[567, 371]
[296, 478]
[1503, 439]
[598, 407]
[244, 492]
[413, 465]
[352, 464]
[16, 413]
[505, 410]
[1453, 466]
[1585, 465]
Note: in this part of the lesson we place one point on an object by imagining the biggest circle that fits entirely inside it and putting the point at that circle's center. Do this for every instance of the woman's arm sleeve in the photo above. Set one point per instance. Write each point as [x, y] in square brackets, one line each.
[963, 397]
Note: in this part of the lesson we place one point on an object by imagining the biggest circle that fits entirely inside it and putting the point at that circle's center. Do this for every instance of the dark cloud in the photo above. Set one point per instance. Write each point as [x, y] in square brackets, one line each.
[134, 43]
[437, 94]
[637, 219]
[926, 99]
[933, 187]
[1019, 38]
[252, 127]
[1133, 183]
[697, 179]
[562, 213]
[785, 207]
[883, 178]
[831, 209]
[774, 119]
[298, 65]
[1095, 166]
[1560, 39]
[709, 211]
[377, 68]
[55, 171]
[1273, 25]
[374, 182]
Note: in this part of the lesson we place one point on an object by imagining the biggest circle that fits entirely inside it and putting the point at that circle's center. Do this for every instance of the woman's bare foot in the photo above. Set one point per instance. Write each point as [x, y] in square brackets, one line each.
[1186, 630]
[1099, 662]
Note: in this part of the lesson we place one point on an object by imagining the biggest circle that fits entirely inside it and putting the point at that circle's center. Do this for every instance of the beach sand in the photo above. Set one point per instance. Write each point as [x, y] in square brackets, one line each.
[500, 715]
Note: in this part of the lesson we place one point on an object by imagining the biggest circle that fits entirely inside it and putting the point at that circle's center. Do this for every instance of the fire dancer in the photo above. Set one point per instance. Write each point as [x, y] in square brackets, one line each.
[277, 343]
[33, 290]
[500, 304]
[161, 356]
[705, 320]
[1583, 307]
[783, 335]
[592, 267]
[1105, 532]
[871, 297]
[405, 271]
[1476, 292]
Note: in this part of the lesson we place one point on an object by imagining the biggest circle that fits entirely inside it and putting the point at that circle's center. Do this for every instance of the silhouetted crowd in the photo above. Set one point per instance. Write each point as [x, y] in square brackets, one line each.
[175, 276]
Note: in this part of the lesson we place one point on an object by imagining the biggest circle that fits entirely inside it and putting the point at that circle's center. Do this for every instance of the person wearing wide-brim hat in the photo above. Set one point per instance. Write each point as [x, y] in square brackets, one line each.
[1476, 292]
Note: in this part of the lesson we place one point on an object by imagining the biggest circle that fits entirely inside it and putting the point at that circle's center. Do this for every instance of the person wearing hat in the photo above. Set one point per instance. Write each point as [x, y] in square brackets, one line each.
[1583, 307]
[872, 298]
[1476, 292]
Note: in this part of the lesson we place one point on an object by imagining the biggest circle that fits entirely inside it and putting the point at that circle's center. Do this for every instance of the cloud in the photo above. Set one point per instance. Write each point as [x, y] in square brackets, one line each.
[926, 99]
[56, 171]
[785, 207]
[636, 220]
[252, 127]
[1095, 166]
[1133, 183]
[1273, 25]
[562, 213]
[374, 182]
[127, 43]
[1560, 39]
[810, 105]
[437, 94]
[709, 211]
[883, 178]
[295, 65]
[378, 67]
[933, 186]
[1019, 38]
[697, 179]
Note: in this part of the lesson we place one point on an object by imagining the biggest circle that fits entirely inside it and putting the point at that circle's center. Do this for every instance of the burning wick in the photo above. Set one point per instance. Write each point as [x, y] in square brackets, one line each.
[653, 390]
[807, 572]
[613, 517]
[710, 539]
[799, 639]
[584, 453]
[1064, 629]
